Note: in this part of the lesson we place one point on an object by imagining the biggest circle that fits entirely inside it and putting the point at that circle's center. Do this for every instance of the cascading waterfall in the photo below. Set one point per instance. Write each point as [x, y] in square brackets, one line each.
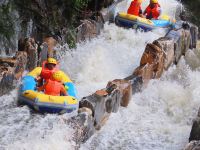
[159, 117]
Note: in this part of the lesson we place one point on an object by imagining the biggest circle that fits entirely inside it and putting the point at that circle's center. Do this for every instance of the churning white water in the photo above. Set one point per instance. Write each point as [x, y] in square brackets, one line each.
[157, 118]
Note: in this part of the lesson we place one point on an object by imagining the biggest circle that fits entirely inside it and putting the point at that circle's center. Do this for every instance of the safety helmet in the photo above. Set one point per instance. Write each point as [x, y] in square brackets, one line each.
[153, 1]
[58, 75]
[51, 61]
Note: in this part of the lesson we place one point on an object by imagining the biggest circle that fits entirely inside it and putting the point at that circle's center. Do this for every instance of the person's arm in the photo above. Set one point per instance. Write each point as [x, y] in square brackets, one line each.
[41, 88]
[63, 91]
[140, 13]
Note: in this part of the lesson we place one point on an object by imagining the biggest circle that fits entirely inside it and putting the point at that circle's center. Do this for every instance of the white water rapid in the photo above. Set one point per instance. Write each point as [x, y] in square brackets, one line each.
[158, 118]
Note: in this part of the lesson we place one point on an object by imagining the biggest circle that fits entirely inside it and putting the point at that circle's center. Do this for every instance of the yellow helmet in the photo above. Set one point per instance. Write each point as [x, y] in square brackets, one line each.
[58, 76]
[153, 1]
[51, 61]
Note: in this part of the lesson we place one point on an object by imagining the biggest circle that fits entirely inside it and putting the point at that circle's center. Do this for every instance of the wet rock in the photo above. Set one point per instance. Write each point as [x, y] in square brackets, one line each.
[87, 30]
[146, 72]
[43, 53]
[20, 64]
[29, 45]
[167, 45]
[177, 37]
[102, 103]
[193, 145]
[136, 82]
[153, 55]
[181, 39]
[194, 36]
[51, 43]
[6, 79]
[125, 89]
[83, 125]
[11, 69]
[195, 131]
[187, 41]
[114, 98]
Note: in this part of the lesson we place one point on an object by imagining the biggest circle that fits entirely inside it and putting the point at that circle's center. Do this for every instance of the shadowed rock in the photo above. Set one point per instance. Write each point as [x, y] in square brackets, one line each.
[194, 36]
[29, 45]
[153, 55]
[83, 125]
[51, 43]
[182, 40]
[193, 145]
[167, 45]
[102, 103]
[88, 29]
[146, 72]
[125, 90]
[11, 69]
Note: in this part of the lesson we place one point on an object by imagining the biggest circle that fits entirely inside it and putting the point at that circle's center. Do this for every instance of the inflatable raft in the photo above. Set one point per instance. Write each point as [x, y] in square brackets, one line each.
[28, 95]
[131, 21]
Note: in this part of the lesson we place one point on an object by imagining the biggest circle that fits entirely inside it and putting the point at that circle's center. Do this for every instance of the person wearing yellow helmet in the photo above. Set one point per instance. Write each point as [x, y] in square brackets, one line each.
[135, 8]
[48, 68]
[54, 85]
[153, 10]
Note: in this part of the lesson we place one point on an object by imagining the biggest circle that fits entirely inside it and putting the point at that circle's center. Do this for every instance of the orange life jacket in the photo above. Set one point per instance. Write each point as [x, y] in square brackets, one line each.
[46, 73]
[153, 13]
[134, 8]
[53, 87]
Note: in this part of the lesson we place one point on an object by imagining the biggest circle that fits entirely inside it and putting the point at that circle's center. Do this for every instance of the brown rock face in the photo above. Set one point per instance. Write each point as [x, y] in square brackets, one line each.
[182, 42]
[88, 29]
[153, 55]
[146, 72]
[102, 103]
[83, 125]
[29, 45]
[11, 69]
[125, 89]
[51, 43]
[167, 45]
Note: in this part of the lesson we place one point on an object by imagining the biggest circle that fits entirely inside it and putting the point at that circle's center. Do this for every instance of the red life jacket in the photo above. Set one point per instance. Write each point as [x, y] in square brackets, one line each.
[134, 8]
[53, 87]
[46, 73]
[153, 13]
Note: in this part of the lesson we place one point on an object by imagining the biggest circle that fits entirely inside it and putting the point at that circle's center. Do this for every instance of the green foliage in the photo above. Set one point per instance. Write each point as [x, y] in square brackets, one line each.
[71, 39]
[193, 8]
[80, 4]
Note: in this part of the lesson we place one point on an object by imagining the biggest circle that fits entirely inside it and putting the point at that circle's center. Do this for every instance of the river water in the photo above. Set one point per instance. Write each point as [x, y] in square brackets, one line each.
[158, 118]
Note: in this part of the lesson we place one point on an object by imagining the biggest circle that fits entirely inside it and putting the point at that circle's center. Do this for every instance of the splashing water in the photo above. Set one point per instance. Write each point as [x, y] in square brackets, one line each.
[157, 118]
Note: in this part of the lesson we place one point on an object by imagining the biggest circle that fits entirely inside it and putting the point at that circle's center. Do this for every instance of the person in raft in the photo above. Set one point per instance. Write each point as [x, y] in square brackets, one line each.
[135, 8]
[48, 68]
[153, 10]
[54, 85]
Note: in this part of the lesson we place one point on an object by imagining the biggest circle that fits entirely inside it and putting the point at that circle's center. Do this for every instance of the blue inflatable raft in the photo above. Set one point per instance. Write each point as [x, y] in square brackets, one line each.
[132, 21]
[43, 103]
